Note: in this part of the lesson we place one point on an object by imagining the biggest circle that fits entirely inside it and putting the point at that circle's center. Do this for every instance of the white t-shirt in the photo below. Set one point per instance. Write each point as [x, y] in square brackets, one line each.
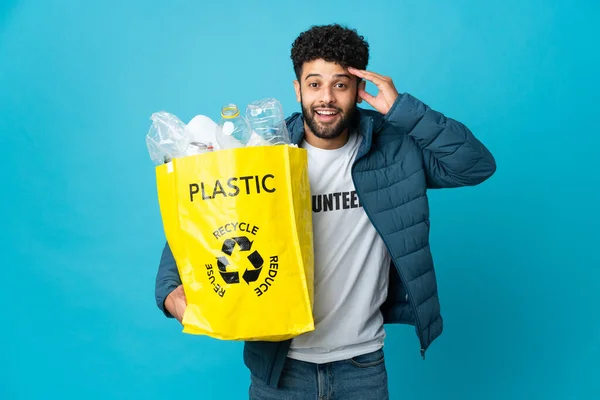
[351, 264]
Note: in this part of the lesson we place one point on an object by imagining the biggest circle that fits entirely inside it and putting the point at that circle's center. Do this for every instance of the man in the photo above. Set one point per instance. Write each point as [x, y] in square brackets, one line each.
[373, 264]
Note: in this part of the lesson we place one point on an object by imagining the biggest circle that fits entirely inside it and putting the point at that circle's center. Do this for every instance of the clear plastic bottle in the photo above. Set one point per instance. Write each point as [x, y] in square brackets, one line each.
[233, 129]
[267, 122]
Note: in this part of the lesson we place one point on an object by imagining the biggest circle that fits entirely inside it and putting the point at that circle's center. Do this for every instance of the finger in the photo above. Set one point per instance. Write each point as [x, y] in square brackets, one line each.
[376, 75]
[370, 76]
[366, 96]
[356, 72]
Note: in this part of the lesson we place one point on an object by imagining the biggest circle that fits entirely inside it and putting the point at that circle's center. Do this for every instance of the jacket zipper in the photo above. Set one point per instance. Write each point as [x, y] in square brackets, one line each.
[417, 322]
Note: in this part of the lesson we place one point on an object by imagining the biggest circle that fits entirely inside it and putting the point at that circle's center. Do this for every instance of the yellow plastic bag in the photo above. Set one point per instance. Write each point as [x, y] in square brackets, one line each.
[239, 224]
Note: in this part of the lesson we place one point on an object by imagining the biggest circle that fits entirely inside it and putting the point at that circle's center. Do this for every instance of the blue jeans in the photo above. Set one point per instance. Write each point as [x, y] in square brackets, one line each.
[363, 378]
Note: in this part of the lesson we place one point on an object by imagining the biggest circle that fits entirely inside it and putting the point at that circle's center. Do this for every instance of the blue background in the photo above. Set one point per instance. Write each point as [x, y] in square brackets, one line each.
[517, 257]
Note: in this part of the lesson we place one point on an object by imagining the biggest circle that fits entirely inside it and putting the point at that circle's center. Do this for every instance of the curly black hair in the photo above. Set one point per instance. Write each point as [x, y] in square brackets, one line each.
[333, 43]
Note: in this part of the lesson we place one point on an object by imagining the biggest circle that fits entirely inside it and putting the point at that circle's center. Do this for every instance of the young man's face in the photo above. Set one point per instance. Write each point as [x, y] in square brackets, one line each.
[328, 94]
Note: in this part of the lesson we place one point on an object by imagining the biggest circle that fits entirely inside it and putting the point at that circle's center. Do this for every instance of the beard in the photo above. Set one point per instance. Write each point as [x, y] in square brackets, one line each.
[328, 131]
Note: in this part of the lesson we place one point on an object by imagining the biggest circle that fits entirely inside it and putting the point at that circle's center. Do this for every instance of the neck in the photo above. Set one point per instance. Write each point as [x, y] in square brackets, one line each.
[325, 144]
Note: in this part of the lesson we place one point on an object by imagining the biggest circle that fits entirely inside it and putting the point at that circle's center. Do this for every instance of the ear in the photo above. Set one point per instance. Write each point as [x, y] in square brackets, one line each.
[297, 89]
[361, 86]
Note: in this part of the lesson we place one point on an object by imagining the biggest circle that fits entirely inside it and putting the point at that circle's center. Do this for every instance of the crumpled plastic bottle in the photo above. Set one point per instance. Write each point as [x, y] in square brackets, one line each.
[267, 122]
[166, 138]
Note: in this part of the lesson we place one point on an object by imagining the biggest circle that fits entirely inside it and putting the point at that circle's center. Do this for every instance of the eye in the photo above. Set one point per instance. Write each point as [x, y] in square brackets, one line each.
[341, 85]
[313, 84]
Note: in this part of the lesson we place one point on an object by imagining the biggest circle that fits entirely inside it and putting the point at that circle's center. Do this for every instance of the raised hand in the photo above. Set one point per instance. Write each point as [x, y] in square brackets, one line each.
[387, 94]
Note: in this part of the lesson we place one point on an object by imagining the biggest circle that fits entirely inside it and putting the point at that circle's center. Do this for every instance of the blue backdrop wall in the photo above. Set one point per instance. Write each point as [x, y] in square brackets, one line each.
[517, 258]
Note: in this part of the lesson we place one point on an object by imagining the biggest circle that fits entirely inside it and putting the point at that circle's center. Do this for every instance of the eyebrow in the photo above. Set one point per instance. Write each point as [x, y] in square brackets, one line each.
[320, 76]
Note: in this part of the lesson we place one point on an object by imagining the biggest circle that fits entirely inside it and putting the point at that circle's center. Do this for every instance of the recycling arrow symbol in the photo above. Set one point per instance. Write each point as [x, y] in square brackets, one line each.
[243, 244]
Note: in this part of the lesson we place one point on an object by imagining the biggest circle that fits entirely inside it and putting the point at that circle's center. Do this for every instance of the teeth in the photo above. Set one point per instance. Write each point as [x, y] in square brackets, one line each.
[326, 112]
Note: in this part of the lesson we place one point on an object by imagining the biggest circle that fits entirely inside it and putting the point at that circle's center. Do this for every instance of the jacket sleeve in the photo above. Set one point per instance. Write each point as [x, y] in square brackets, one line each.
[453, 157]
[167, 279]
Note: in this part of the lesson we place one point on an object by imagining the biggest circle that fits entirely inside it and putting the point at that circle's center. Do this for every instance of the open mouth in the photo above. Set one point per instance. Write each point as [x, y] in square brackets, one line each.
[326, 115]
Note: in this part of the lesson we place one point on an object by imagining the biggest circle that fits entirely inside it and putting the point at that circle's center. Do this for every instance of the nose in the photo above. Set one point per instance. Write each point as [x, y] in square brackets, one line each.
[328, 96]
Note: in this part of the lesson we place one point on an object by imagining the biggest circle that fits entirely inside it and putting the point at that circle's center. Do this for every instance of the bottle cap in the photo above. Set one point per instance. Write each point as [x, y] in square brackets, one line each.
[230, 111]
